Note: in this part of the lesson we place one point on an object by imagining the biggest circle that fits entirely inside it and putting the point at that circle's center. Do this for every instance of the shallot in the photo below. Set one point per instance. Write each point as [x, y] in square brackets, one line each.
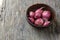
[46, 23]
[39, 22]
[46, 15]
[38, 12]
[31, 14]
[31, 19]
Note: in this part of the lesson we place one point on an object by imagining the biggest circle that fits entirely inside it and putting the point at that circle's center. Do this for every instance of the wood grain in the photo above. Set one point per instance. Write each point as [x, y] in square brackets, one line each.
[13, 24]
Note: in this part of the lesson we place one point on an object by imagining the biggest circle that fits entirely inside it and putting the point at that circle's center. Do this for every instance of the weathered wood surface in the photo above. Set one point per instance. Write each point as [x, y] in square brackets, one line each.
[13, 25]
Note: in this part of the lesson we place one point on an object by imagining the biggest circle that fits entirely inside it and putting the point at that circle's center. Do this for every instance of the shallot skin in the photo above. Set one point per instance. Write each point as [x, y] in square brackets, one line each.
[46, 15]
[39, 22]
[31, 14]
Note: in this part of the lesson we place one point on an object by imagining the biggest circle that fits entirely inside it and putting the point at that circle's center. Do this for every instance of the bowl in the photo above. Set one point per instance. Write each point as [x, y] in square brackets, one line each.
[37, 6]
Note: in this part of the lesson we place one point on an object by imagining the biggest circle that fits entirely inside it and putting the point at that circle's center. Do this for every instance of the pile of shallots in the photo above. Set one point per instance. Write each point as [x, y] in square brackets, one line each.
[40, 17]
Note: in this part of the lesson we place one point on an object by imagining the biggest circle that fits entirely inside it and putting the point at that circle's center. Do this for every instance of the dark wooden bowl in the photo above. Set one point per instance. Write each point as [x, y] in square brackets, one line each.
[37, 6]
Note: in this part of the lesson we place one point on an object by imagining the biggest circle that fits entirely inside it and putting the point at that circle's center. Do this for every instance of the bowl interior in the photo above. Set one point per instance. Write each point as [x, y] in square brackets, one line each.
[37, 6]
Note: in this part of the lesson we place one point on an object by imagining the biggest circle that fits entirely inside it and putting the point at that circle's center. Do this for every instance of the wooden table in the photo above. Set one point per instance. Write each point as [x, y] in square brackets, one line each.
[13, 24]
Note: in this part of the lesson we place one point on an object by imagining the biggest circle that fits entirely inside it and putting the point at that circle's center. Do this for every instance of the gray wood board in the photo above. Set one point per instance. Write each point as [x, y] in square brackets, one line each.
[13, 24]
